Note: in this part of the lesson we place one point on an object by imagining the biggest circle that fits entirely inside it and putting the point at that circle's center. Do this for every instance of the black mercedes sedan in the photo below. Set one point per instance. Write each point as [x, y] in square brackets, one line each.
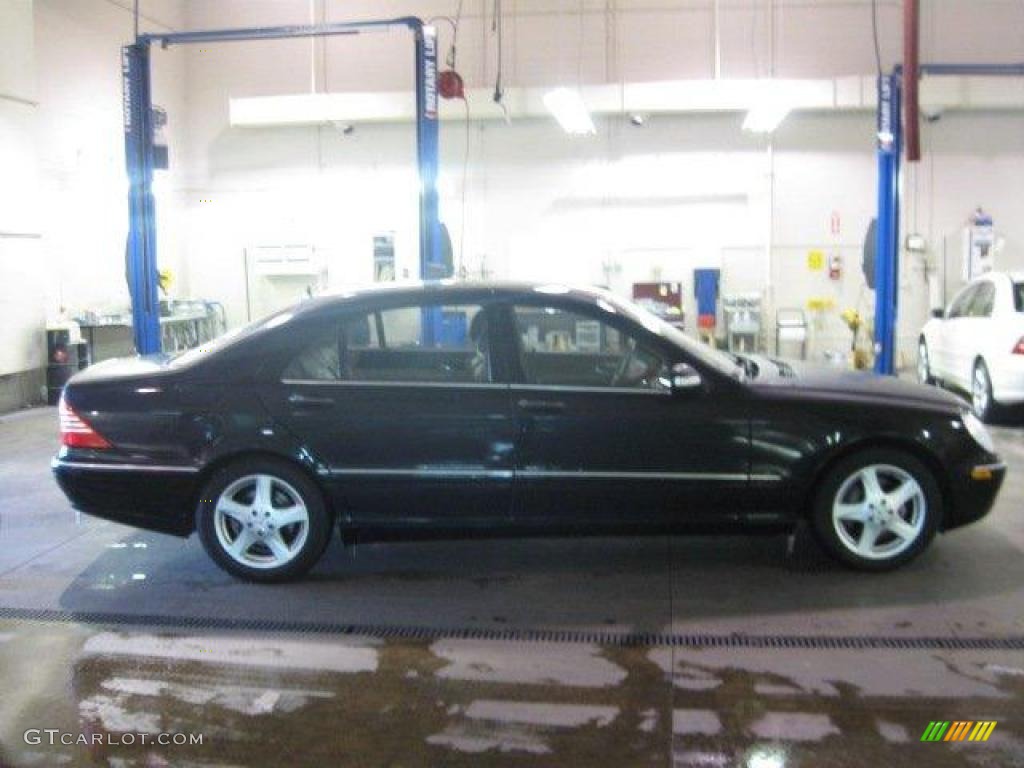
[460, 409]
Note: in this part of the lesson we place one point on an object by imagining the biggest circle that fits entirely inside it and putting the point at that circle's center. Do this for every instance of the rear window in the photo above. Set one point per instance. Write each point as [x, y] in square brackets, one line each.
[190, 356]
[1018, 297]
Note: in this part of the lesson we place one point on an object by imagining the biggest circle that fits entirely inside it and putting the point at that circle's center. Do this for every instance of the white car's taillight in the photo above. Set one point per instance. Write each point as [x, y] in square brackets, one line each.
[1018, 348]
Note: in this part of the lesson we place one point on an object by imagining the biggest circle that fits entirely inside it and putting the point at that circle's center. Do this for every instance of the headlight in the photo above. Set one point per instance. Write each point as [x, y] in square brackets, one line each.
[978, 432]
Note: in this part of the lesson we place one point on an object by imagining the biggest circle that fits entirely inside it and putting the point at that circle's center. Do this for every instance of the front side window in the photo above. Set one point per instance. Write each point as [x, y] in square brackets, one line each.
[430, 343]
[560, 347]
[981, 304]
[960, 304]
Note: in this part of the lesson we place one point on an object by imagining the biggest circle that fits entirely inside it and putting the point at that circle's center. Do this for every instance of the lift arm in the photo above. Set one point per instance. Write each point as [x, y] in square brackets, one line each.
[141, 257]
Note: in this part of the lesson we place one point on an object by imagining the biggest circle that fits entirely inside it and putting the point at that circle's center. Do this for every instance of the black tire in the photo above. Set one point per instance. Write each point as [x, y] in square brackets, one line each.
[984, 407]
[890, 465]
[924, 368]
[304, 541]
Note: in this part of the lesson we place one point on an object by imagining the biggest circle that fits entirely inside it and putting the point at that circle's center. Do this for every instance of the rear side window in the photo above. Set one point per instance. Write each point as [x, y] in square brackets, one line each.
[1018, 297]
[319, 359]
[431, 343]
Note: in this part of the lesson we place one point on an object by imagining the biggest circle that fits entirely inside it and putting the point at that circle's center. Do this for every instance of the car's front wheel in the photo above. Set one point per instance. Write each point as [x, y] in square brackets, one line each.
[877, 509]
[263, 520]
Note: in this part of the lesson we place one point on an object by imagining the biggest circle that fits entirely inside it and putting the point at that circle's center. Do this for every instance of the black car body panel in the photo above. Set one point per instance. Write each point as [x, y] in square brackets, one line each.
[504, 454]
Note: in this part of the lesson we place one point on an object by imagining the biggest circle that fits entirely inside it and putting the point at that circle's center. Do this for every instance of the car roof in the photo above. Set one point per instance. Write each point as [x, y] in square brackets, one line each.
[449, 290]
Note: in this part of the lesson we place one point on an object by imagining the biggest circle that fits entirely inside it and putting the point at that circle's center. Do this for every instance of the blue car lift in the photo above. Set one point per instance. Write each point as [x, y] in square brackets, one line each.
[889, 147]
[139, 154]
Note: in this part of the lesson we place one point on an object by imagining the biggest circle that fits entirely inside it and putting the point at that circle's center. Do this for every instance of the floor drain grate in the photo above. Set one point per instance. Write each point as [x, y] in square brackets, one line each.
[604, 638]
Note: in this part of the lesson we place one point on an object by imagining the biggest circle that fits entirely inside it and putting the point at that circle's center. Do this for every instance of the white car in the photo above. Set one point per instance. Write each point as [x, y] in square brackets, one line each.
[977, 344]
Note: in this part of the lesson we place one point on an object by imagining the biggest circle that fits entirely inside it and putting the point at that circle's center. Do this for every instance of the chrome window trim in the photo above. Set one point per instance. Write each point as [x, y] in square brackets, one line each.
[427, 384]
[478, 385]
[586, 389]
[99, 466]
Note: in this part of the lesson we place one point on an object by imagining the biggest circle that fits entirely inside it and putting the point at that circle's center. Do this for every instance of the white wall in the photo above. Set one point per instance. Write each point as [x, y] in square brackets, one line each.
[80, 143]
[21, 274]
[62, 181]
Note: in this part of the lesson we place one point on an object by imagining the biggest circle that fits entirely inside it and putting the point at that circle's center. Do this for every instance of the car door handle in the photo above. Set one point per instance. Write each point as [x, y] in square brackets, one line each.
[541, 406]
[308, 401]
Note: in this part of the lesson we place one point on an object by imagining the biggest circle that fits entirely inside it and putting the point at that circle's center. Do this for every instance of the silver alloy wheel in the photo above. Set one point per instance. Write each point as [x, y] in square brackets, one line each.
[261, 521]
[979, 391]
[922, 363]
[879, 511]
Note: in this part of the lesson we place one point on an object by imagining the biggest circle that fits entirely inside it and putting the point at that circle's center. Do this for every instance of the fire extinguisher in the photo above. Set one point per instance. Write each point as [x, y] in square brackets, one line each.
[835, 266]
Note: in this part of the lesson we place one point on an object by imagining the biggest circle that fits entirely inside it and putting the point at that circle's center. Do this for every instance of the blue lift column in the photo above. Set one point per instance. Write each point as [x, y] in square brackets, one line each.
[887, 246]
[890, 141]
[140, 256]
[431, 260]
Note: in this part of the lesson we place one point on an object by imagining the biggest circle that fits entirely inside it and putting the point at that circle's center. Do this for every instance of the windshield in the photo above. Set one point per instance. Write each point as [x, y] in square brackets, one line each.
[720, 361]
[1018, 297]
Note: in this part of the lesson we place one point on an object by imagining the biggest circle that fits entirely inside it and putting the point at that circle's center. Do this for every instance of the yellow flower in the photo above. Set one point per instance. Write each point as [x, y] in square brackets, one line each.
[852, 319]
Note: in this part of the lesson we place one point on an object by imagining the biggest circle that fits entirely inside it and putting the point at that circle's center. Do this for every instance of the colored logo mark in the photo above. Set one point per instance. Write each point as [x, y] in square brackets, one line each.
[958, 730]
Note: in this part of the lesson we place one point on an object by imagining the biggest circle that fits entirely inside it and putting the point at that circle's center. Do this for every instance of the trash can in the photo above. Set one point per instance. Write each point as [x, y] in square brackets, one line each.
[66, 354]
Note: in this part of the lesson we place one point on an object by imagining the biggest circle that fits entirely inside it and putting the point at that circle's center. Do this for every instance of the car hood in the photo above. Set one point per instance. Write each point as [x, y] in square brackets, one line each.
[830, 382]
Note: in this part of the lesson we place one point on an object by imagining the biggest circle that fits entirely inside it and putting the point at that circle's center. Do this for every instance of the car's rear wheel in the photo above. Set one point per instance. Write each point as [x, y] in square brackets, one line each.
[924, 371]
[877, 509]
[981, 392]
[263, 520]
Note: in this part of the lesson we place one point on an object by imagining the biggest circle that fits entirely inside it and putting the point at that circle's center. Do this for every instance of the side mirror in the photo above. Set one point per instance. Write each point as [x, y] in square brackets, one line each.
[685, 378]
[939, 313]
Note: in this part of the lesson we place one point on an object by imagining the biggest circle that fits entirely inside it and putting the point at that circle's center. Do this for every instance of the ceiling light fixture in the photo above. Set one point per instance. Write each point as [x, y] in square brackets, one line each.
[569, 110]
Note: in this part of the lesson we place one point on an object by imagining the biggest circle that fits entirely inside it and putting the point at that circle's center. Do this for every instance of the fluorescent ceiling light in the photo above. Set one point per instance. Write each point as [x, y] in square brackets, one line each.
[569, 110]
[765, 118]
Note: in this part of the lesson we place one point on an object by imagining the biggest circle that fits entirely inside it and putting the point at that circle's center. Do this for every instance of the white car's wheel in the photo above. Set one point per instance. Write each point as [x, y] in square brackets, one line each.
[981, 392]
[924, 371]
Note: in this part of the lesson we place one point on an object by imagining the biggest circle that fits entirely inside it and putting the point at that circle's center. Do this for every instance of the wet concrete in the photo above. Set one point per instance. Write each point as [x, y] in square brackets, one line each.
[297, 699]
[286, 700]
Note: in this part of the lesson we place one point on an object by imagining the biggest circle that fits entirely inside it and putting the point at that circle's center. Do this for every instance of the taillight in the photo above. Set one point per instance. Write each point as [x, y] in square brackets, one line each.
[76, 432]
[1018, 348]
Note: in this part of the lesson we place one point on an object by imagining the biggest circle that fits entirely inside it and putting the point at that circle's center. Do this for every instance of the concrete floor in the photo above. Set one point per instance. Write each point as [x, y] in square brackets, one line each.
[144, 661]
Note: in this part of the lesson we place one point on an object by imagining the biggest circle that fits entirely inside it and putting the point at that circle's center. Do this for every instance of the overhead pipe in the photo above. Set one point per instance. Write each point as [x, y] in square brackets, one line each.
[911, 74]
